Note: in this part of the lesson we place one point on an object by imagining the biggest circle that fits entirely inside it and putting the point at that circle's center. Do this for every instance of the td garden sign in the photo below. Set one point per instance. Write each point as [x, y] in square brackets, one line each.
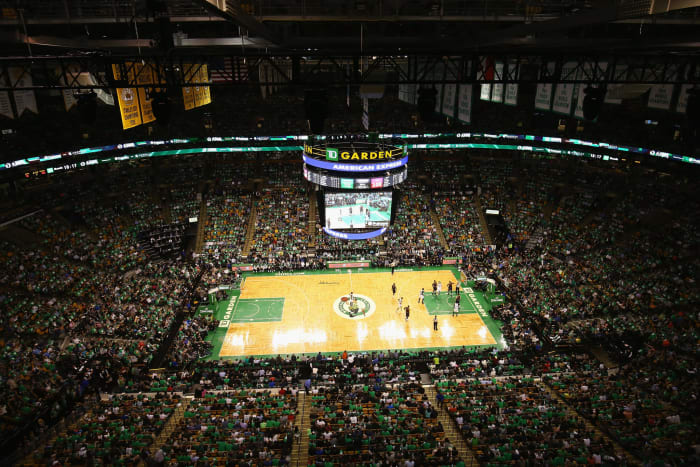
[357, 152]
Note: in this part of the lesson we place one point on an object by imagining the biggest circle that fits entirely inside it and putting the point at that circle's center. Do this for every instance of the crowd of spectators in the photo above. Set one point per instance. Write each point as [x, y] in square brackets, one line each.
[83, 308]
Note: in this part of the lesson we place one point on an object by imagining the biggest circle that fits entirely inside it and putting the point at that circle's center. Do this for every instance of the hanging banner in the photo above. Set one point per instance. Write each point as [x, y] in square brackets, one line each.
[448, 100]
[511, 92]
[497, 88]
[543, 96]
[659, 96]
[613, 94]
[24, 100]
[205, 91]
[5, 104]
[188, 92]
[144, 75]
[69, 100]
[564, 92]
[485, 93]
[464, 103]
[262, 76]
[128, 98]
[682, 103]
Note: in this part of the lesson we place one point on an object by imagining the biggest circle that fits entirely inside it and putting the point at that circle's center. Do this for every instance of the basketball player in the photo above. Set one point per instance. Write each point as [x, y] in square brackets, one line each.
[398, 308]
[434, 287]
[421, 296]
[455, 310]
[393, 289]
[458, 298]
[435, 323]
[408, 311]
[439, 288]
[449, 288]
[457, 289]
[352, 297]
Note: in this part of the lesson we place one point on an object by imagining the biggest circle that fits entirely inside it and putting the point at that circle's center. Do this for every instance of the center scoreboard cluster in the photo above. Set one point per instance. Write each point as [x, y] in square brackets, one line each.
[355, 185]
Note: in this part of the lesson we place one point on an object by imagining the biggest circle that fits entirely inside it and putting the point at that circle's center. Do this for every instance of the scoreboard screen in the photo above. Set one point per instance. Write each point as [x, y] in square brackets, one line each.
[358, 210]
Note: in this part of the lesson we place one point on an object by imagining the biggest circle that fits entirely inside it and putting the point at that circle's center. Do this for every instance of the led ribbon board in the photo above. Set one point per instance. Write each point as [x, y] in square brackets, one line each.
[354, 236]
[363, 167]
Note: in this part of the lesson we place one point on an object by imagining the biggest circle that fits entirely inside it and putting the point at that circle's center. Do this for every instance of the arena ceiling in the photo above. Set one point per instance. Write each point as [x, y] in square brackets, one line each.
[317, 27]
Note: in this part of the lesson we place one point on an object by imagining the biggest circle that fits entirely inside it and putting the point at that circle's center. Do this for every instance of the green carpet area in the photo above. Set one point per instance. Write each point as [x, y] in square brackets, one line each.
[443, 304]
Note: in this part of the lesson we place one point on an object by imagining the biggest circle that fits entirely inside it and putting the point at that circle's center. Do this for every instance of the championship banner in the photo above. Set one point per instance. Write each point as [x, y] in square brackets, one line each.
[145, 75]
[564, 92]
[188, 92]
[205, 92]
[497, 88]
[128, 99]
[543, 97]
[24, 100]
[5, 104]
[448, 100]
[464, 103]
[682, 103]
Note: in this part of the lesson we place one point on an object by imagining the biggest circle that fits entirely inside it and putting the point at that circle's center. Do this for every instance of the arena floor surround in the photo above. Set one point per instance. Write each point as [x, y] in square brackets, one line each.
[311, 311]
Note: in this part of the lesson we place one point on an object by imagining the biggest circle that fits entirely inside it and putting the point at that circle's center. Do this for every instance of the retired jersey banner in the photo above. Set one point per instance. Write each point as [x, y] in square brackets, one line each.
[614, 92]
[464, 103]
[5, 104]
[511, 91]
[485, 93]
[682, 103]
[24, 100]
[128, 99]
[543, 97]
[448, 100]
[564, 92]
[497, 88]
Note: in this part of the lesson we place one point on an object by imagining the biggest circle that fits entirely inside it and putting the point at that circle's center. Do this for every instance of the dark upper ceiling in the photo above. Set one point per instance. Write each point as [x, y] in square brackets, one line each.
[359, 26]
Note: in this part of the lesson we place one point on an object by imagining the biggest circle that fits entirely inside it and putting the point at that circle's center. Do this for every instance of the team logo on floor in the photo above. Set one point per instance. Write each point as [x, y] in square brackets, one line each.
[359, 308]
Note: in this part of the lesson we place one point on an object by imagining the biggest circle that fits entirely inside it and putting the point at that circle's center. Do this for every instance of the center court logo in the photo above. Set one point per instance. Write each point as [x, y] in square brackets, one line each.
[362, 308]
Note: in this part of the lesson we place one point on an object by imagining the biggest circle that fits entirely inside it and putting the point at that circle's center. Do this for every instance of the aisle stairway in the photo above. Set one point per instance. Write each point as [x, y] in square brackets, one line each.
[169, 427]
[619, 450]
[201, 222]
[300, 452]
[250, 230]
[312, 219]
[438, 228]
[451, 430]
[482, 221]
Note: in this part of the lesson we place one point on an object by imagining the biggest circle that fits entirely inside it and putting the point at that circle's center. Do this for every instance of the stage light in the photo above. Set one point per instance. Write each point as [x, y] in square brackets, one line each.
[160, 104]
[592, 102]
[87, 106]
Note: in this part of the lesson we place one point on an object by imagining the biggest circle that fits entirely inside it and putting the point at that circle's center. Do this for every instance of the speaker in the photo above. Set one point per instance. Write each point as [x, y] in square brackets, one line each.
[592, 102]
[316, 108]
[426, 103]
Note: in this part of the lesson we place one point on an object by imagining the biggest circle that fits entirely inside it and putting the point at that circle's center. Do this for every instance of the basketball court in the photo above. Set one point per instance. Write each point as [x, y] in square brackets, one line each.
[310, 312]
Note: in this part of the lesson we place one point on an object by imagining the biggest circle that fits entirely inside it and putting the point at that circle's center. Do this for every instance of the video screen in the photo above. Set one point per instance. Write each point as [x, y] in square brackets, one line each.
[358, 210]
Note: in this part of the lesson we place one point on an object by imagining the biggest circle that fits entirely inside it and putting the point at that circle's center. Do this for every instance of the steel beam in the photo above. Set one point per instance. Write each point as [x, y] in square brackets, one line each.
[62, 72]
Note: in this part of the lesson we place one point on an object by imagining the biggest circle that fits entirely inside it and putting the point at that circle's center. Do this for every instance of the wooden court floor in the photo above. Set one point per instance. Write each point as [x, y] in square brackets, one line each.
[313, 319]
